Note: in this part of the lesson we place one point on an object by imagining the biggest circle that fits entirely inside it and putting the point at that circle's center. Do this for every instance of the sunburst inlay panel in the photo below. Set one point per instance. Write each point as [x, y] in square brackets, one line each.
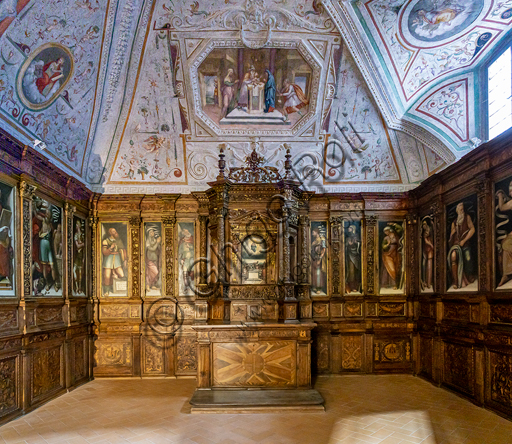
[268, 364]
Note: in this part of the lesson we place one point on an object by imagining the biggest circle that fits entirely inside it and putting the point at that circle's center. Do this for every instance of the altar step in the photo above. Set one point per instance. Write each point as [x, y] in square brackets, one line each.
[238, 116]
[256, 401]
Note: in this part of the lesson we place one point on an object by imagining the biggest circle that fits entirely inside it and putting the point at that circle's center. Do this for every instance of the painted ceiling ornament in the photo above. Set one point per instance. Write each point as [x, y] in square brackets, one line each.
[430, 23]
[255, 23]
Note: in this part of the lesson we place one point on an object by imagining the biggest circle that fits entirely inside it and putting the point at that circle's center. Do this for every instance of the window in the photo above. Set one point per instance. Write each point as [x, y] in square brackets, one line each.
[499, 77]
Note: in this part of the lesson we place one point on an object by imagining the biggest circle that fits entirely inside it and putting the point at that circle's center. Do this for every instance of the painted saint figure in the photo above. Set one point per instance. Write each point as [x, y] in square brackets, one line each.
[427, 255]
[294, 98]
[391, 274]
[318, 261]
[270, 93]
[153, 253]
[115, 259]
[504, 242]
[51, 73]
[78, 257]
[186, 260]
[228, 91]
[6, 249]
[352, 260]
[460, 260]
[44, 240]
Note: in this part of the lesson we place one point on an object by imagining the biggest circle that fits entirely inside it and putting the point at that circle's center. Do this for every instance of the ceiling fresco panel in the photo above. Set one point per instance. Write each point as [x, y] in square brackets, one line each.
[50, 62]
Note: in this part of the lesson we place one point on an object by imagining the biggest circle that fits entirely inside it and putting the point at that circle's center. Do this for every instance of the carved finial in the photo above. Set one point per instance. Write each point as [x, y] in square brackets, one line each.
[287, 163]
[222, 162]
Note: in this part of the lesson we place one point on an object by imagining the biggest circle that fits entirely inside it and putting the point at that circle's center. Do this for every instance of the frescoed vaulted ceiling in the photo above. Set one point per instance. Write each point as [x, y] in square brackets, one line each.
[136, 96]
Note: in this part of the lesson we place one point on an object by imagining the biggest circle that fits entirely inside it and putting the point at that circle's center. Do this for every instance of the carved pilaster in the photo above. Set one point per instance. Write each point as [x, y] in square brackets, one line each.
[135, 223]
[304, 249]
[484, 190]
[202, 249]
[286, 245]
[93, 226]
[371, 225]
[336, 235]
[69, 210]
[26, 194]
[221, 236]
[412, 220]
[169, 224]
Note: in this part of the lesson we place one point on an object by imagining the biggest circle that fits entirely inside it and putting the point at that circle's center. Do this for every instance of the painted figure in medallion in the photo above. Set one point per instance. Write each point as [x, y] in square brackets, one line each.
[153, 255]
[318, 258]
[115, 261]
[461, 242]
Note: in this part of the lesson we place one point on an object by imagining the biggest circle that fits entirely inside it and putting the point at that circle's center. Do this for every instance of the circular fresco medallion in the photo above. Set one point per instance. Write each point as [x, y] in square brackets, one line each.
[43, 75]
[427, 23]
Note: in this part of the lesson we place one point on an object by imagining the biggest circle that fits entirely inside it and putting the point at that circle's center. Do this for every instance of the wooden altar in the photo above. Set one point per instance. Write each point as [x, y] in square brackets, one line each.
[254, 350]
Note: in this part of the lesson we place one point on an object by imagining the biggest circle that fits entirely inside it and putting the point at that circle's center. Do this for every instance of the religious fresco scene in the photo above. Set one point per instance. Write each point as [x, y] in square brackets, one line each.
[233, 198]
[47, 236]
[462, 245]
[392, 255]
[114, 259]
[7, 246]
[79, 257]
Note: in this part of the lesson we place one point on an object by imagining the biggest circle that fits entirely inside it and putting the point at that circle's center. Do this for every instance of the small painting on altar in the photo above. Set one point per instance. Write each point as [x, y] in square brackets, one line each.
[254, 260]
[260, 87]
[318, 258]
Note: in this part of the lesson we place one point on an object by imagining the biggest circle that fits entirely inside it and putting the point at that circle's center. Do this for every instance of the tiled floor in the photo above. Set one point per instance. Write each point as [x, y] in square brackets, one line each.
[359, 409]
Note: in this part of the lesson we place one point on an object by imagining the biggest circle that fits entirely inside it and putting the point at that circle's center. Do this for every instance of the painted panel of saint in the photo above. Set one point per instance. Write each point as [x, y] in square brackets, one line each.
[254, 260]
[353, 250]
[46, 248]
[114, 259]
[503, 214]
[186, 258]
[462, 245]
[79, 270]
[427, 255]
[392, 249]
[153, 258]
[6, 240]
[319, 256]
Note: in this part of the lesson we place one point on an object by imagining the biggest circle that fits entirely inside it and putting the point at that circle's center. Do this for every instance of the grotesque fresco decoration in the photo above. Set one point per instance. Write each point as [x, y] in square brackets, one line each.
[462, 243]
[50, 56]
[503, 213]
[353, 251]
[427, 255]
[319, 256]
[79, 270]
[153, 258]
[186, 258]
[241, 86]
[44, 75]
[6, 240]
[392, 250]
[46, 248]
[114, 259]
[254, 260]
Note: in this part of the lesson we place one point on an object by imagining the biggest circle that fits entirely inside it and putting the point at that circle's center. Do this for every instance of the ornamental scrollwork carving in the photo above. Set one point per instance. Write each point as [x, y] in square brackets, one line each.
[135, 241]
[93, 224]
[253, 172]
[169, 224]
[70, 210]
[336, 234]
[371, 223]
[484, 190]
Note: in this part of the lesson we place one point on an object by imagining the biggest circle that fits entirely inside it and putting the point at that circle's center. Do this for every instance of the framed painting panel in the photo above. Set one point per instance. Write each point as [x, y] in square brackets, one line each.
[319, 255]
[114, 259]
[392, 257]
[7, 246]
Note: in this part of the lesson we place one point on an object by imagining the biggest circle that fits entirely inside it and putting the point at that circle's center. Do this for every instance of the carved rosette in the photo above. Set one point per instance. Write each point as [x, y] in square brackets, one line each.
[93, 224]
[135, 223]
[169, 224]
[484, 190]
[27, 193]
[304, 250]
[69, 211]
[336, 233]
[202, 249]
[371, 224]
